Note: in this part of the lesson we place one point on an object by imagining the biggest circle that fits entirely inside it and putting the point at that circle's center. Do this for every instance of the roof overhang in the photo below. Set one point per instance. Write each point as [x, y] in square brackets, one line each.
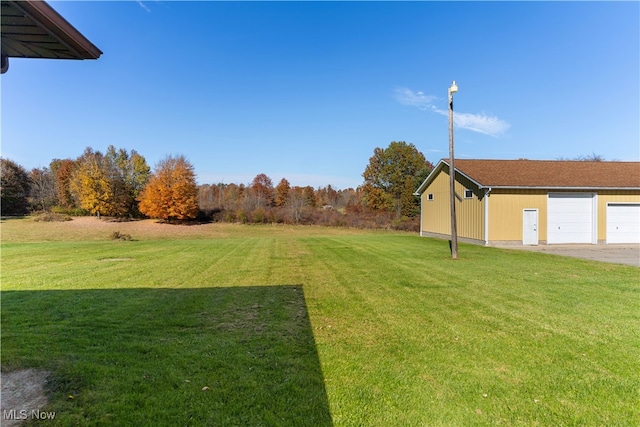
[439, 167]
[33, 29]
[513, 187]
[442, 164]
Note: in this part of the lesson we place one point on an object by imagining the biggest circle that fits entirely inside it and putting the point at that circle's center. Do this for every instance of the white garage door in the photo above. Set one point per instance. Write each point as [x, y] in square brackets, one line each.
[623, 223]
[570, 218]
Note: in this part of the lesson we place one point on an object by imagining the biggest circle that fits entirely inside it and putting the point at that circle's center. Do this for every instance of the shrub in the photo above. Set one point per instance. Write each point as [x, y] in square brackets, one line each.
[259, 216]
[406, 224]
[242, 216]
[208, 215]
[70, 211]
[229, 216]
[275, 216]
[116, 235]
[51, 217]
[118, 219]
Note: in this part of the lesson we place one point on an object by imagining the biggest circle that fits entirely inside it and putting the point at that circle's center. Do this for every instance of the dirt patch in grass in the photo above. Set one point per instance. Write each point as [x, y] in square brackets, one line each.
[22, 391]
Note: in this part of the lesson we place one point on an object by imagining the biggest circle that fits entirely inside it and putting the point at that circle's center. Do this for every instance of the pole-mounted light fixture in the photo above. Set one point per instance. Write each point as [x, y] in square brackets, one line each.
[452, 180]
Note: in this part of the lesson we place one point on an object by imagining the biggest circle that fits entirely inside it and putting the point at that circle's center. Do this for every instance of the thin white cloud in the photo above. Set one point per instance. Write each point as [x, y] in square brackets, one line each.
[481, 123]
[488, 125]
[142, 5]
[414, 99]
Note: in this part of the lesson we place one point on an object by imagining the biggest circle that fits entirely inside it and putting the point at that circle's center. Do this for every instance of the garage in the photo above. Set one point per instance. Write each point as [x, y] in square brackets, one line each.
[570, 218]
[623, 223]
[529, 202]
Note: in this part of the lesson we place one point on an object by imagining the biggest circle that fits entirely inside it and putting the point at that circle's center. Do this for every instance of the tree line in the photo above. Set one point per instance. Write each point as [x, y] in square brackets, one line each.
[121, 184]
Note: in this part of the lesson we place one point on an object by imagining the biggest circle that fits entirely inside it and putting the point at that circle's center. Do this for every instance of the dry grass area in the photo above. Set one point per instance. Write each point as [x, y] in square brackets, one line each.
[94, 229]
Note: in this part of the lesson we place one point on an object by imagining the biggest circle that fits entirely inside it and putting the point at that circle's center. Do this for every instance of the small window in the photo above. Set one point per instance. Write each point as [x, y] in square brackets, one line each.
[468, 194]
[430, 196]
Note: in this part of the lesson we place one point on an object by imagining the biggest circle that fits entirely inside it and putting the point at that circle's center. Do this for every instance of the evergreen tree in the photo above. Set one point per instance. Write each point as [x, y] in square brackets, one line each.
[14, 188]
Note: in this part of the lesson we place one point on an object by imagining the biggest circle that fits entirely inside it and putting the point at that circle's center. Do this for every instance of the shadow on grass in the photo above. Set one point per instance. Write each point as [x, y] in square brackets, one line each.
[4, 218]
[211, 356]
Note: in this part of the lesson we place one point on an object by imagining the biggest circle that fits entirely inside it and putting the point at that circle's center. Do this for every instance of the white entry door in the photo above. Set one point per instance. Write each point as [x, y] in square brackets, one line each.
[530, 227]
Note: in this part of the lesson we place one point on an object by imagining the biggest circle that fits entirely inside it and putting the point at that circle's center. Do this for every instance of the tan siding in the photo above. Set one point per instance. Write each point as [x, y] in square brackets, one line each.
[469, 212]
[605, 197]
[436, 214]
[506, 209]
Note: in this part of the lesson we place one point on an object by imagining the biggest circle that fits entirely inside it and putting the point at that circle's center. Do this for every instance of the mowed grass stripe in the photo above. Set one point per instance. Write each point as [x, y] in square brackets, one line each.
[480, 325]
[403, 334]
[181, 264]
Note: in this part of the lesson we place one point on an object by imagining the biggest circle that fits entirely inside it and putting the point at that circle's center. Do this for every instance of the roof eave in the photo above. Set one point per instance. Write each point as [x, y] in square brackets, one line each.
[528, 187]
[439, 167]
[59, 28]
[429, 178]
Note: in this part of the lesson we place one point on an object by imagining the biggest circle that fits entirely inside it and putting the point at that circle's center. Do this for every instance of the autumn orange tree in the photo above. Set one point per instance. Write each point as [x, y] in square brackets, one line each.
[282, 192]
[171, 193]
[262, 191]
[62, 171]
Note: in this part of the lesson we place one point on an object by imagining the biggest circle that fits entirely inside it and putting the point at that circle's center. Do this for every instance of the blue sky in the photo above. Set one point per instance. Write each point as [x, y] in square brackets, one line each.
[307, 90]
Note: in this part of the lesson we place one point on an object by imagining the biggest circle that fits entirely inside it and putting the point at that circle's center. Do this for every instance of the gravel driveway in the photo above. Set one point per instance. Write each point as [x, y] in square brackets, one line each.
[617, 254]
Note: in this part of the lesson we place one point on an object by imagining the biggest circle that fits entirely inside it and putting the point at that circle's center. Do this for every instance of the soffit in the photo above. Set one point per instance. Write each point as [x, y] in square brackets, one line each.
[33, 29]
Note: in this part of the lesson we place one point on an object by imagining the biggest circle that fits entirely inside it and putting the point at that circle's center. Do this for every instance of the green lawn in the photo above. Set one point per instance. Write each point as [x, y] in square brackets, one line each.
[317, 326]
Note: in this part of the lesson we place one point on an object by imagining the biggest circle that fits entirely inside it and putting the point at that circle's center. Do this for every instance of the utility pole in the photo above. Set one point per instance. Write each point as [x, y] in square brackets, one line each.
[452, 176]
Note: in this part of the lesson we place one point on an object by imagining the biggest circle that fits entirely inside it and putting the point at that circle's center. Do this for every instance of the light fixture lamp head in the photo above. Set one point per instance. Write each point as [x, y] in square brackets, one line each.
[453, 88]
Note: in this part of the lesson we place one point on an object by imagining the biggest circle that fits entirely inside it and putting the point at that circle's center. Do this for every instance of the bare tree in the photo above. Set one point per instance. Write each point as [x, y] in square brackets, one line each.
[298, 199]
[261, 192]
[43, 189]
[593, 157]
